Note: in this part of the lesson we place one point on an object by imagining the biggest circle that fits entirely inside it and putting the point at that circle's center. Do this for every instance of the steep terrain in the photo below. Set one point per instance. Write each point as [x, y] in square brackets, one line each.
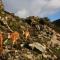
[37, 39]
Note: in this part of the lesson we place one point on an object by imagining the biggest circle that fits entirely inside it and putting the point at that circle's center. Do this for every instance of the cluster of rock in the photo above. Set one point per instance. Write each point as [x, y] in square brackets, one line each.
[37, 41]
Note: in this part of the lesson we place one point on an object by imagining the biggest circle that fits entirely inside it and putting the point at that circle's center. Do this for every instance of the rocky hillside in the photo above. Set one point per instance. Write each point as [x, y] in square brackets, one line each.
[33, 38]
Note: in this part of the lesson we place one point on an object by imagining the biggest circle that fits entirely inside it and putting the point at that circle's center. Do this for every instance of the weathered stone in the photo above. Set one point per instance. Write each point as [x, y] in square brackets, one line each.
[38, 46]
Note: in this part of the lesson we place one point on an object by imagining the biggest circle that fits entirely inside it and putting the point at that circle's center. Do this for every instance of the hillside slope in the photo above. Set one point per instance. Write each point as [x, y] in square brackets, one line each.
[37, 40]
